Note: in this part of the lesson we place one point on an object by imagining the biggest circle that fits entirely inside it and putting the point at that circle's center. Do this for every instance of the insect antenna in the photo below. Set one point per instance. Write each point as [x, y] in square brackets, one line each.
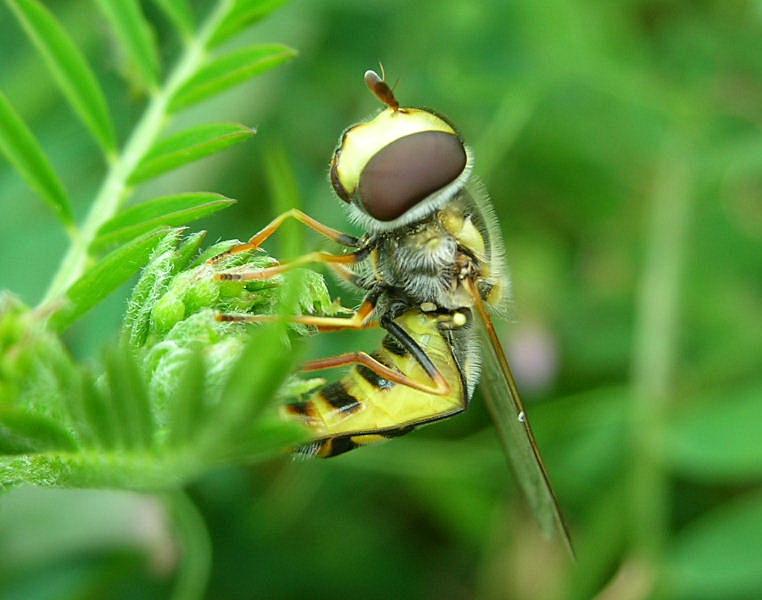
[381, 89]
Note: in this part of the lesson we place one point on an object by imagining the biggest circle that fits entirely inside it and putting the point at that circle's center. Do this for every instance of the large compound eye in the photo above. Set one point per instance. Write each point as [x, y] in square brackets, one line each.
[403, 173]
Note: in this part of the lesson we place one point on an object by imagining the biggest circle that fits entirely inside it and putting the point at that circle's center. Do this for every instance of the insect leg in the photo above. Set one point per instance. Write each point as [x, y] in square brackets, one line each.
[440, 387]
[312, 257]
[261, 237]
[361, 319]
[409, 344]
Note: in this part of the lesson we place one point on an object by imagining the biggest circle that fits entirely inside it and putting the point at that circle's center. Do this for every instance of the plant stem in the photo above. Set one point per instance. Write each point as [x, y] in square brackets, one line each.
[655, 351]
[196, 547]
[114, 189]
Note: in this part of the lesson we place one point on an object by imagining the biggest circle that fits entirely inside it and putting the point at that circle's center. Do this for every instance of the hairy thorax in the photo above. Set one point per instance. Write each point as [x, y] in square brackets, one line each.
[427, 262]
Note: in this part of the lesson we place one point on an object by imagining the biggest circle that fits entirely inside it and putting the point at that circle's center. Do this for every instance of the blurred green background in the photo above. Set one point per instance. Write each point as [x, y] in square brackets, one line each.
[621, 143]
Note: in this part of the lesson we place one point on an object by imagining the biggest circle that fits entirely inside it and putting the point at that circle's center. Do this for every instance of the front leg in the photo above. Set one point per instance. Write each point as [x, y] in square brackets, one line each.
[313, 257]
[262, 236]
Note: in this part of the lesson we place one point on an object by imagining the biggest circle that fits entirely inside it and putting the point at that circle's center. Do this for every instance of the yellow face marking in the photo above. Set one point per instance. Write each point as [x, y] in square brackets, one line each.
[464, 230]
[452, 220]
[363, 141]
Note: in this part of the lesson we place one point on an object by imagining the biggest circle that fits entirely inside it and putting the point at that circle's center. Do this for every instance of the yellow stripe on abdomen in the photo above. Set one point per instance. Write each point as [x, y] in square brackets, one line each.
[362, 403]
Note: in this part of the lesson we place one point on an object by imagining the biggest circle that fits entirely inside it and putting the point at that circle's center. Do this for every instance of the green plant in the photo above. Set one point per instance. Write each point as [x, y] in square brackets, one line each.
[151, 417]
[595, 126]
[177, 395]
[59, 426]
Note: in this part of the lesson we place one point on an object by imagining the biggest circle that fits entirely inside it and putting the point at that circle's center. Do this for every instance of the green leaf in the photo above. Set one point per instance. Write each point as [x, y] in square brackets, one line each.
[22, 150]
[130, 398]
[180, 13]
[69, 68]
[718, 555]
[268, 437]
[107, 275]
[254, 379]
[719, 439]
[214, 250]
[230, 70]
[252, 383]
[118, 469]
[580, 437]
[602, 538]
[149, 288]
[97, 415]
[187, 408]
[243, 14]
[168, 210]
[188, 250]
[136, 36]
[25, 432]
[188, 146]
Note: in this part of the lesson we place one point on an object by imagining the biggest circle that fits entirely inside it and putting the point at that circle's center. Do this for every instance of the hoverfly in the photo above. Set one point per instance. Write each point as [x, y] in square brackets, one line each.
[432, 268]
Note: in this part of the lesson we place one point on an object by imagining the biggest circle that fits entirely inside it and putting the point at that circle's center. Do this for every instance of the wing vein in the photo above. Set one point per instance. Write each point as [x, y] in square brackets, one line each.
[515, 432]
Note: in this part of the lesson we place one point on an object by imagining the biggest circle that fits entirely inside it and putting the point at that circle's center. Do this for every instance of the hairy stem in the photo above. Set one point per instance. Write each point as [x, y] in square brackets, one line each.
[114, 190]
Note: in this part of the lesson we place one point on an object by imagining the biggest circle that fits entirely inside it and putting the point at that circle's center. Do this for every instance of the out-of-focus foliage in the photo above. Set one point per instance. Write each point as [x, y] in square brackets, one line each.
[621, 144]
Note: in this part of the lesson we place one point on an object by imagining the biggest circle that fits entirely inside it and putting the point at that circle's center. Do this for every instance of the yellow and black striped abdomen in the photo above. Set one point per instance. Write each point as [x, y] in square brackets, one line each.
[363, 407]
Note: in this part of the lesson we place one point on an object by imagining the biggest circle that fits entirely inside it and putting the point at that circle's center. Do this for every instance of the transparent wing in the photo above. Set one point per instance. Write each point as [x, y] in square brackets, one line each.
[504, 404]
